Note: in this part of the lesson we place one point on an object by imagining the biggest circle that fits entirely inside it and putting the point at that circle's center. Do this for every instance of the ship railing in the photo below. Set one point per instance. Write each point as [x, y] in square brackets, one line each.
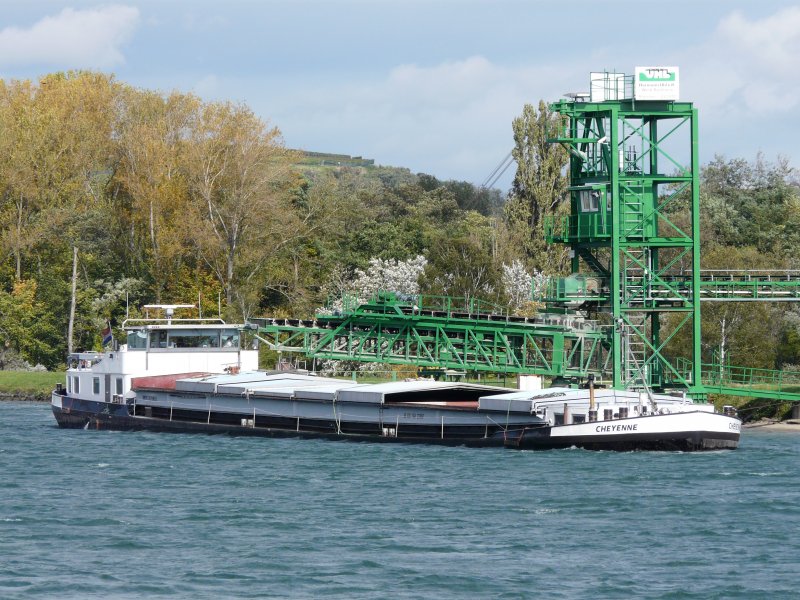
[83, 360]
[148, 321]
[421, 373]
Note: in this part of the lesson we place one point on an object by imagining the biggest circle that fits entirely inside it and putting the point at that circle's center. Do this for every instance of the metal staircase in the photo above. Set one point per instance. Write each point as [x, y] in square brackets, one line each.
[634, 349]
[635, 279]
[633, 210]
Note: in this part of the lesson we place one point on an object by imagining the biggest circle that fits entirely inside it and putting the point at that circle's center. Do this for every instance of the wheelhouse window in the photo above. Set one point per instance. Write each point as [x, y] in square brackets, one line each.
[137, 339]
[194, 338]
[230, 338]
[185, 338]
[118, 389]
[76, 384]
[158, 339]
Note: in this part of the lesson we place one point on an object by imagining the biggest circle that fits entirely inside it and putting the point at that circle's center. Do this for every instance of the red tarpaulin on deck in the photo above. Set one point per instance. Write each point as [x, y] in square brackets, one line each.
[161, 382]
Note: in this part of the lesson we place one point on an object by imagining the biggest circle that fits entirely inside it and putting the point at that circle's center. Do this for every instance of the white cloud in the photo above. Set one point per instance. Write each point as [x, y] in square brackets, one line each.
[748, 65]
[451, 119]
[89, 38]
[771, 44]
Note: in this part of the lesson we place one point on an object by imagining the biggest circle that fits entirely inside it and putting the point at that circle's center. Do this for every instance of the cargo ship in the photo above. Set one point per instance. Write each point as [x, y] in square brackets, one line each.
[194, 375]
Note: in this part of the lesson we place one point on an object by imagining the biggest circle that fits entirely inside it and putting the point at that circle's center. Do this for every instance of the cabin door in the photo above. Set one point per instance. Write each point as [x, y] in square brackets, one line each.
[107, 388]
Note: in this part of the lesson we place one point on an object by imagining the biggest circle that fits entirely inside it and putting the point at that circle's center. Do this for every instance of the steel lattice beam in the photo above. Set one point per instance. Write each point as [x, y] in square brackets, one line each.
[392, 332]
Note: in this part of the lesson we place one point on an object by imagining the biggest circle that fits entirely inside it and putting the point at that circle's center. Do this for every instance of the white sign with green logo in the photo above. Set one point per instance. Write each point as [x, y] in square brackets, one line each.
[656, 83]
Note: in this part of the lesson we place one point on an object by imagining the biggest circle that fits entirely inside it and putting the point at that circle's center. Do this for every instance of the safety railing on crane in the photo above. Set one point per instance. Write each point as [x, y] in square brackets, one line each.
[391, 303]
[721, 378]
[715, 285]
[728, 284]
[580, 227]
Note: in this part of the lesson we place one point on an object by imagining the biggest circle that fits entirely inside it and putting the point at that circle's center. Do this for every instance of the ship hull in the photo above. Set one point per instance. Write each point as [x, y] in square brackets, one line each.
[689, 431]
[74, 413]
[685, 431]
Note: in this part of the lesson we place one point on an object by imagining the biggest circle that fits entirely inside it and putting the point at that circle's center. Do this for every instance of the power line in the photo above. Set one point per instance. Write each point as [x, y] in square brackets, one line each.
[498, 172]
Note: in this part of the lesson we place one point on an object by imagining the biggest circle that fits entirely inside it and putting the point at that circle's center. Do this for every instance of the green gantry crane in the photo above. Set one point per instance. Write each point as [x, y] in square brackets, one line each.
[446, 333]
[634, 237]
[634, 170]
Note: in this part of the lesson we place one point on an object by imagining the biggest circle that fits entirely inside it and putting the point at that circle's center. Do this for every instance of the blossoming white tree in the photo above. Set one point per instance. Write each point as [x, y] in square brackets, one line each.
[521, 287]
[398, 276]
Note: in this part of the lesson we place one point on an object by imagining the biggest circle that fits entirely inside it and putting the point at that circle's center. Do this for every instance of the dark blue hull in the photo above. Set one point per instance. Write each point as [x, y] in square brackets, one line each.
[87, 414]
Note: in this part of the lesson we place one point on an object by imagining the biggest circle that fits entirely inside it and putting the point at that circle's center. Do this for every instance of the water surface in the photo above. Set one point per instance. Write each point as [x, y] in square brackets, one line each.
[88, 514]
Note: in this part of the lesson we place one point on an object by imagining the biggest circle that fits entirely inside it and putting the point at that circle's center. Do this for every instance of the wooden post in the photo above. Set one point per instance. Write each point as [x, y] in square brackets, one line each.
[72, 303]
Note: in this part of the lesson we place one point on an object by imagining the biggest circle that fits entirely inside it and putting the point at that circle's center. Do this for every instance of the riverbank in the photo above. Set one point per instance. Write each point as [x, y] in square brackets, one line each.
[773, 425]
[28, 386]
[32, 397]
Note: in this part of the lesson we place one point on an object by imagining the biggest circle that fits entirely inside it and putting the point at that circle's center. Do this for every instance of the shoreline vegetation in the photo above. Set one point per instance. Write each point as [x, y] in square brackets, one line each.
[774, 425]
[29, 386]
[31, 397]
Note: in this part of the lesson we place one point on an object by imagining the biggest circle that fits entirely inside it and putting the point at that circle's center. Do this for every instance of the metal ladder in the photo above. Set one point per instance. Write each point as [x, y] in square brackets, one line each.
[632, 209]
[636, 279]
[634, 352]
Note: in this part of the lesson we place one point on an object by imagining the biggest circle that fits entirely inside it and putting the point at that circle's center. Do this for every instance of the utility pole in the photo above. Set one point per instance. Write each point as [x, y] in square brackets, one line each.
[73, 302]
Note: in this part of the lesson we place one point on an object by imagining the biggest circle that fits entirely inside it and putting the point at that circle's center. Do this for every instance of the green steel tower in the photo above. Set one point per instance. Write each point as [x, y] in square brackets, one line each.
[633, 227]
[629, 314]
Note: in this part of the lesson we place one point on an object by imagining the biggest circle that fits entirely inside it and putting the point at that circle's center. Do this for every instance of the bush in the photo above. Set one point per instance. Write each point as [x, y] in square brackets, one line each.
[11, 360]
[764, 408]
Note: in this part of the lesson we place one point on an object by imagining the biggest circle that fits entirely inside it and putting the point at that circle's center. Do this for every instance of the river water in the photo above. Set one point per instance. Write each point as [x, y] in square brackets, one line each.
[88, 514]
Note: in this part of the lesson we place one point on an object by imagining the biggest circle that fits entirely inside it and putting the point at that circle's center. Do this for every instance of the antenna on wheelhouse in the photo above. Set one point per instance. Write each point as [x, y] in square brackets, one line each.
[169, 309]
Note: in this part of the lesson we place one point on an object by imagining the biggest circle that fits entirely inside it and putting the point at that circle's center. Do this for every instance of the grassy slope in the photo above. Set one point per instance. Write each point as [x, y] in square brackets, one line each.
[24, 382]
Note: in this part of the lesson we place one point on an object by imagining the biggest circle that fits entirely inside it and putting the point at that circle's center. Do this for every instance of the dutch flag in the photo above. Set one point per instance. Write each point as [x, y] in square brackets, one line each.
[107, 336]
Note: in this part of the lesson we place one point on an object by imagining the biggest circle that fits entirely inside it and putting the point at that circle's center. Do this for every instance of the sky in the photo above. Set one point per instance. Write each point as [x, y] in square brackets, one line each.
[428, 85]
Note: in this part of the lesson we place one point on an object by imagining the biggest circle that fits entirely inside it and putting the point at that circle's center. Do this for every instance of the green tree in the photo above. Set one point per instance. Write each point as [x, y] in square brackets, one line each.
[58, 138]
[539, 187]
[27, 327]
[239, 175]
[751, 204]
[461, 267]
[742, 333]
[151, 144]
